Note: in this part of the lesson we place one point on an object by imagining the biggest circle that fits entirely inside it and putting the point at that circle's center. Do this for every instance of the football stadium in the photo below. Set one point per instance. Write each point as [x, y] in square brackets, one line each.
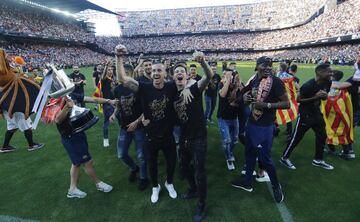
[241, 110]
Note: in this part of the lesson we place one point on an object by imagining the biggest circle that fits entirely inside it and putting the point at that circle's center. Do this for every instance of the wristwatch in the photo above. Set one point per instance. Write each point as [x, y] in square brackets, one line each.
[268, 105]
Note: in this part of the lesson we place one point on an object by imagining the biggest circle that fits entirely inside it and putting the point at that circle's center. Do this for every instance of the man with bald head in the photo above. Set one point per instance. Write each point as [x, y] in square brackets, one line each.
[157, 97]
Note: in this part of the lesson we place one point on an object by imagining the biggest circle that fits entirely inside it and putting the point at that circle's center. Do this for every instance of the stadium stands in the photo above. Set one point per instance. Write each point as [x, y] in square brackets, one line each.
[262, 15]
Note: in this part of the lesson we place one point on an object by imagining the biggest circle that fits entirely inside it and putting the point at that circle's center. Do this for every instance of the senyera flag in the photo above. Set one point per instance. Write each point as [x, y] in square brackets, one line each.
[98, 94]
[284, 116]
[338, 115]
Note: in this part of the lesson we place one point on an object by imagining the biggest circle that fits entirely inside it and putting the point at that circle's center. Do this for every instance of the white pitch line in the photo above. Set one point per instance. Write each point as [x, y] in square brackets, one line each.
[284, 211]
[4, 218]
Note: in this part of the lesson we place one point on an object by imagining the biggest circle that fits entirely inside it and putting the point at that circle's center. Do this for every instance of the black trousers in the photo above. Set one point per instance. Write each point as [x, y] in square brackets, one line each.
[193, 157]
[303, 124]
[168, 147]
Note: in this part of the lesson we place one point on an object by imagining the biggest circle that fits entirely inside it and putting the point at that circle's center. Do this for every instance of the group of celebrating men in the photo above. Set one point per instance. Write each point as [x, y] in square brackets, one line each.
[165, 114]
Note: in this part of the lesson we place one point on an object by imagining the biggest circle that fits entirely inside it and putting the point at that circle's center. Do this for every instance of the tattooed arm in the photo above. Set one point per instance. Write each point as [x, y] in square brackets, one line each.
[204, 81]
[129, 82]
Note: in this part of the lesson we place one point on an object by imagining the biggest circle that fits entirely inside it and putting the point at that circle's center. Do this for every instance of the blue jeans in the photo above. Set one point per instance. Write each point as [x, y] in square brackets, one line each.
[123, 144]
[177, 133]
[108, 111]
[258, 145]
[210, 103]
[229, 130]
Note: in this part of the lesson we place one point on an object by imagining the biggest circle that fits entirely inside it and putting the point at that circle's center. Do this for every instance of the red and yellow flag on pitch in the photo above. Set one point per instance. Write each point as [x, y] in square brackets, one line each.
[284, 116]
[338, 115]
[98, 94]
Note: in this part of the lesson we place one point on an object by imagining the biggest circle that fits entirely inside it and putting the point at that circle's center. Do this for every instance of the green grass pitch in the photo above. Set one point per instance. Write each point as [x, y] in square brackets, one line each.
[33, 185]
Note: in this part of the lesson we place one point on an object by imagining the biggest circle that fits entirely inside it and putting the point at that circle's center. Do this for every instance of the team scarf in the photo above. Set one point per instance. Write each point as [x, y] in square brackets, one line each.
[262, 93]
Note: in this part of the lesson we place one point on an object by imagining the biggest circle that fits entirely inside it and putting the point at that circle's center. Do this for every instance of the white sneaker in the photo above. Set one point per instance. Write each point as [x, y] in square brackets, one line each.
[106, 143]
[76, 193]
[264, 178]
[103, 187]
[230, 165]
[243, 172]
[171, 190]
[155, 194]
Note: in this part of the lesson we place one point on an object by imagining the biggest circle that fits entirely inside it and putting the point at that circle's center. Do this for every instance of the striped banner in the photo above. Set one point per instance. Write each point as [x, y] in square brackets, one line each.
[338, 115]
[98, 94]
[284, 116]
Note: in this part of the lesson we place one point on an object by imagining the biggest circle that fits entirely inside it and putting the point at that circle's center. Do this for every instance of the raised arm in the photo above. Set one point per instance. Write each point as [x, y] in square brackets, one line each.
[224, 90]
[204, 81]
[129, 82]
[139, 63]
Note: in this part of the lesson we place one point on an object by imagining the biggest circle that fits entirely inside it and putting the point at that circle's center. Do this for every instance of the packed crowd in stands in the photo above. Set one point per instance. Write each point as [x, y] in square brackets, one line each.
[342, 20]
[22, 19]
[268, 14]
[36, 55]
[341, 54]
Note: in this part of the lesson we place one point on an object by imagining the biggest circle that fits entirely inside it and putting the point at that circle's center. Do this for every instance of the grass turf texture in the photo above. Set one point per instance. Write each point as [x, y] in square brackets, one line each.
[34, 185]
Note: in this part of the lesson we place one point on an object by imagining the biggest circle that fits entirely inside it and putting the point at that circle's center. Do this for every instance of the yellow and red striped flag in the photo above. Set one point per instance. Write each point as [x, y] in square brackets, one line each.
[98, 94]
[338, 115]
[284, 116]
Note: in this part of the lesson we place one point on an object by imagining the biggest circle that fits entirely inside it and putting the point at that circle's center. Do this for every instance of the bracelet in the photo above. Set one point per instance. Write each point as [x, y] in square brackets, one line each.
[269, 105]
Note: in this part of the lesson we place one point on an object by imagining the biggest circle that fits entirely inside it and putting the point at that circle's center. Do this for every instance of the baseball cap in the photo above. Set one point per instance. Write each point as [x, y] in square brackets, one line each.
[263, 60]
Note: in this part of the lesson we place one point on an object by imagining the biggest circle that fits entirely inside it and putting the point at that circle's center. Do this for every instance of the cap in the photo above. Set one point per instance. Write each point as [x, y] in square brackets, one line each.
[263, 60]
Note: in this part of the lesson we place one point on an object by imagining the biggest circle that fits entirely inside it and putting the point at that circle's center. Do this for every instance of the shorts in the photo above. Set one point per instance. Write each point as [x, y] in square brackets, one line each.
[17, 121]
[77, 148]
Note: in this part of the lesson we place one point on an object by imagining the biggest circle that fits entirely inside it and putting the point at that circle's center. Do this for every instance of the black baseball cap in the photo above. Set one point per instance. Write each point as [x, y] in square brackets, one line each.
[263, 60]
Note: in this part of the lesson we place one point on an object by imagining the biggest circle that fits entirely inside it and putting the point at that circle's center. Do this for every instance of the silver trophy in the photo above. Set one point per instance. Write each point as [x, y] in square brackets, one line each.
[81, 119]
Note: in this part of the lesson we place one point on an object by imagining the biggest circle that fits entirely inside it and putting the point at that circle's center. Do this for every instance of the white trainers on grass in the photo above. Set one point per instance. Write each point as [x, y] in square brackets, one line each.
[106, 143]
[171, 190]
[155, 194]
[76, 193]
[103, 187]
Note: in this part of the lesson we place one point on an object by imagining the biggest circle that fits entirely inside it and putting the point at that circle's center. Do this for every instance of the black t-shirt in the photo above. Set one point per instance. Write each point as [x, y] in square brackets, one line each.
[197, 77]
[97, 76]
[129, 105]
[79, 89]
[308, 90]
[191, 116]
[158, 108]
[144, 79]
[225, 110]
[266, 117]
[213, 86]
[107, 87]
[65, 127]
[353, 90]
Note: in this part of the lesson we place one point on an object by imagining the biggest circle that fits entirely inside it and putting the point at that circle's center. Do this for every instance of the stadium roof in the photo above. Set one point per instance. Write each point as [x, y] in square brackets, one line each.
[72, 6]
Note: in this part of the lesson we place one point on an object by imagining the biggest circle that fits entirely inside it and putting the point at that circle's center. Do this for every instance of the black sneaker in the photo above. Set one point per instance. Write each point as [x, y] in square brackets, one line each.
[330, 151]
[132, 176]
[240, 184]
[278, 194]
[200, 213]
[190, 194]
[36, 146]
[7, 149]
[287, 163]
[143, 184]
[322, 164]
